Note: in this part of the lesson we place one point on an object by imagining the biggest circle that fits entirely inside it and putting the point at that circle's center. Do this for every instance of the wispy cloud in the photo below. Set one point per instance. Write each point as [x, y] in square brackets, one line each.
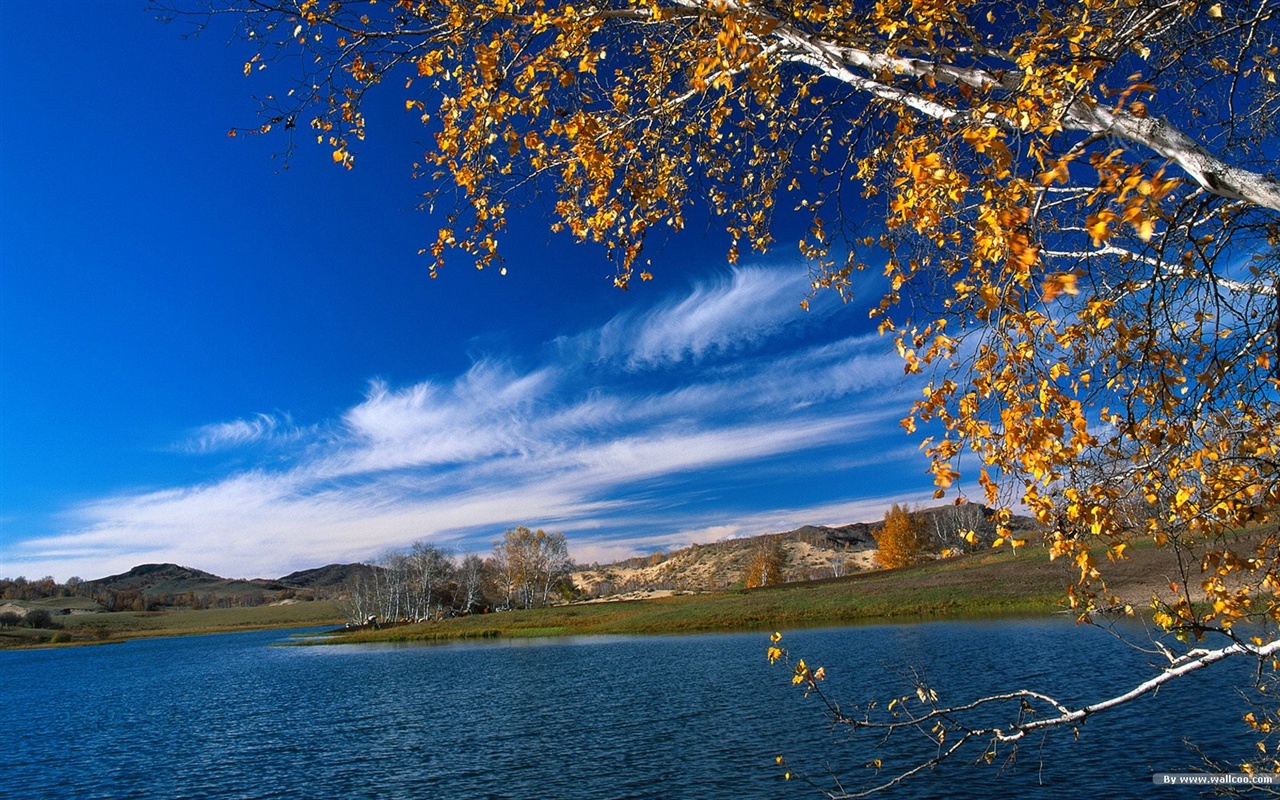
[727, 315]
[238, 433]
[480, 415]
[631, 436]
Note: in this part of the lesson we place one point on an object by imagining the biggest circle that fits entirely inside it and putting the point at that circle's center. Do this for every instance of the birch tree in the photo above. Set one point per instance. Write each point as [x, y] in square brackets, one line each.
[503, 578]
[553, 563]
[369, 596]
[1074, 206]
[472, 575]
[394, 588]
[430, 574]
[959, 528]
[767, 563]
[530, 564]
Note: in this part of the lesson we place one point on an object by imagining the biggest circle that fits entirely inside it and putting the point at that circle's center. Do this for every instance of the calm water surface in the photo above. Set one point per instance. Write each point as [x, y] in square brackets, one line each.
[230, 716]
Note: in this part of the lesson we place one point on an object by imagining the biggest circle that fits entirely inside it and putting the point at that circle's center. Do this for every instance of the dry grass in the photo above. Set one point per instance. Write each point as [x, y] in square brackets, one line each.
[121, 625]
[988, 584]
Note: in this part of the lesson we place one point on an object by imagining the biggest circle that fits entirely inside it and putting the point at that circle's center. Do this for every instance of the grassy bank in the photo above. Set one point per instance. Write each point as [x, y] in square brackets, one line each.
[122, 625]
[989, 584]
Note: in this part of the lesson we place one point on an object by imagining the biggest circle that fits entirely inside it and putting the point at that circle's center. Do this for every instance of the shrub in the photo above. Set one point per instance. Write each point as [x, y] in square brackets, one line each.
[39, 618]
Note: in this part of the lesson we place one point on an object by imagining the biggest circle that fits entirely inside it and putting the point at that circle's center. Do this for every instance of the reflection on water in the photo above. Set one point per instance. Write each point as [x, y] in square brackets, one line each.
[229, 716]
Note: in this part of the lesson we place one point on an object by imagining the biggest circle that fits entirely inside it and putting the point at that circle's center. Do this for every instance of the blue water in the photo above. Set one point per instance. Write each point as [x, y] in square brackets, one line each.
[229, 716]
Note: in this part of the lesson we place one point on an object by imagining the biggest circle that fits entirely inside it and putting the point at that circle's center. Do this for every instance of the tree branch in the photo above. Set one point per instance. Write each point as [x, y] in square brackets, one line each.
[1084, 114]
[1167, 268]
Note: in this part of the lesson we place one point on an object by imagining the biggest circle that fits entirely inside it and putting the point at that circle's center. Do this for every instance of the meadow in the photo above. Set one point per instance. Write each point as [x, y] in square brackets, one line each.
[987, 584]
[119, 626]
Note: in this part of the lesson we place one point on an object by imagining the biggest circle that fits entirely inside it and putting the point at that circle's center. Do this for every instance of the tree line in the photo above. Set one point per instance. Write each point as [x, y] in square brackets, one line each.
[20, 588]
[526, 569]
[24, 589]
[905, 538]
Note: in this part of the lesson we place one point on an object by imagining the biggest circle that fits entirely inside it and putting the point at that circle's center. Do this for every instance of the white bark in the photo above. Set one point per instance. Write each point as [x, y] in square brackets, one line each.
[1190, 662]
[1167, 269]
[1160, 136]
[855, 67]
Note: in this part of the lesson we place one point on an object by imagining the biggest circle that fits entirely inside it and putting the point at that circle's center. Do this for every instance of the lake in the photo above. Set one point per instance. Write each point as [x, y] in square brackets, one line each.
[230, 716]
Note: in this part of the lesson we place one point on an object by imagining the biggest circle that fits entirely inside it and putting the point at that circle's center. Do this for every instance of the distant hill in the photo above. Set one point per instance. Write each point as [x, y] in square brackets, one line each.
[173, 582]
[146, 577]
[814, 552]
[165, 580]
[330, 576]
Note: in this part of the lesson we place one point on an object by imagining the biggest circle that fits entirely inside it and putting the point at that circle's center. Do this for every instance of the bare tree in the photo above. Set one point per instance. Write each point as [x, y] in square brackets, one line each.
[472, 576]
[553, 564]
[960, 527]
[360, 600]
[430, 574]
[530, 564]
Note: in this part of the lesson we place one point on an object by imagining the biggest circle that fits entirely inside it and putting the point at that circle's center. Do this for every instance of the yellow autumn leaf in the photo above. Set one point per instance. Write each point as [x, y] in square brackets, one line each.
[1057, 284]
[1099, 226]
[1146, 228]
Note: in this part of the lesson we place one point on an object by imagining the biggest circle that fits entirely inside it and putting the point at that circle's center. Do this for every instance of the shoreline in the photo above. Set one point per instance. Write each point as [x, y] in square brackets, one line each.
[982, 586]
[986, 585]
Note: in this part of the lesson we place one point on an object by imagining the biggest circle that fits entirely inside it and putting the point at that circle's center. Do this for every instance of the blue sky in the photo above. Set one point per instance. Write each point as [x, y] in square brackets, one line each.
[208, 360]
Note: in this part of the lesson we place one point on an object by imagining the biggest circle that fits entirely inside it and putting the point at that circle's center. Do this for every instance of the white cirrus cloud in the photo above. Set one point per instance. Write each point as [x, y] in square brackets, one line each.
[728, 314]
[482, 414]
[241, 432]
[649, 431]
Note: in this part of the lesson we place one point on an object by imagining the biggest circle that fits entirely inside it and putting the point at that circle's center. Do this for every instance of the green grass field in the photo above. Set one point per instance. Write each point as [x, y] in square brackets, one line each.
[121, 625]
[991, 584]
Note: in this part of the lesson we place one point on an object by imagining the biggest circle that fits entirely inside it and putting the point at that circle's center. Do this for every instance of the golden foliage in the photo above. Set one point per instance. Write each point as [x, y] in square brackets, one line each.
[767, 563]
[902, 541]
[1078, 234]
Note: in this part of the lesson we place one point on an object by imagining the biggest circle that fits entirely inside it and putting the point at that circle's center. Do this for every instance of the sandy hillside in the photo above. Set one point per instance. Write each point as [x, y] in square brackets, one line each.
[717, 566]
[812, 552]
